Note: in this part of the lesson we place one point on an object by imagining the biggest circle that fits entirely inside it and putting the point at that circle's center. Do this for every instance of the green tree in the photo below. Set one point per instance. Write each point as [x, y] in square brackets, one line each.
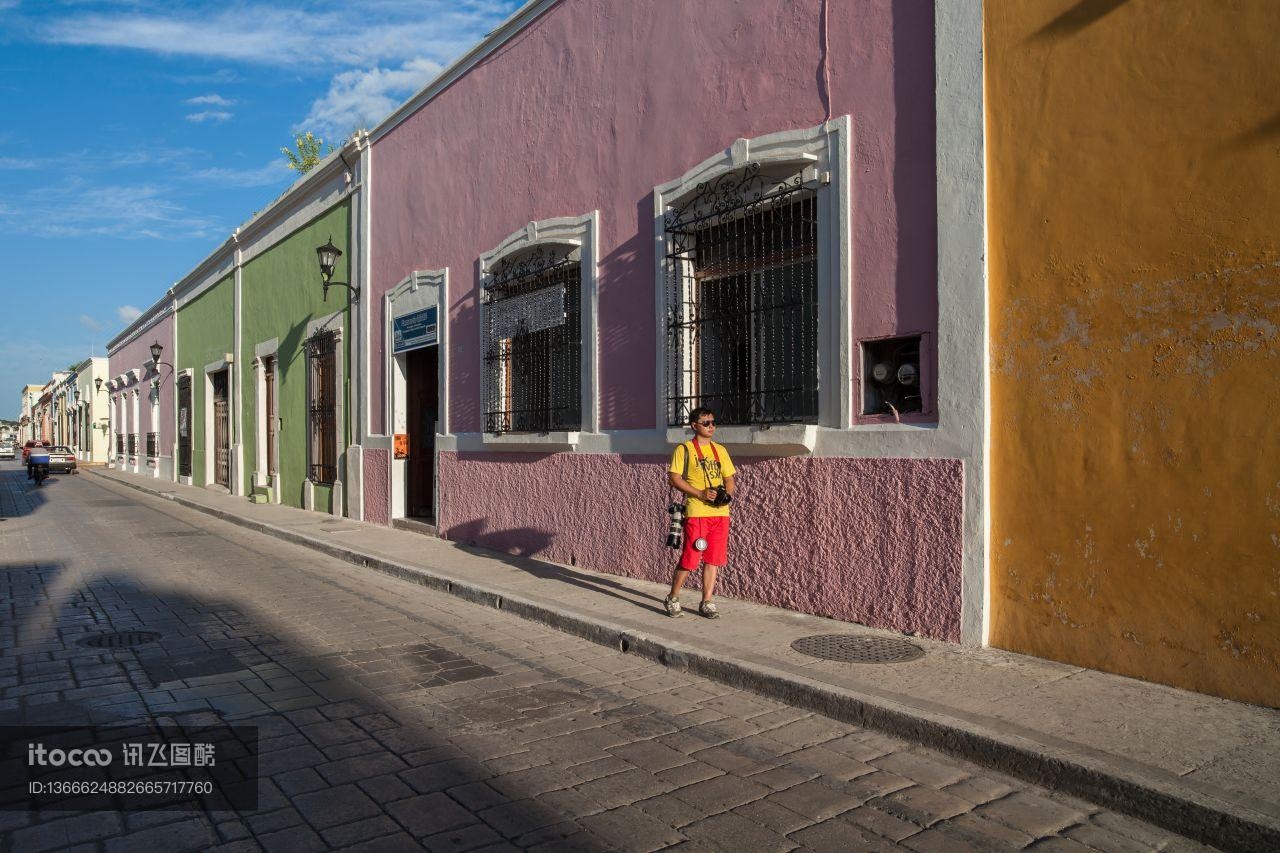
[310, 151]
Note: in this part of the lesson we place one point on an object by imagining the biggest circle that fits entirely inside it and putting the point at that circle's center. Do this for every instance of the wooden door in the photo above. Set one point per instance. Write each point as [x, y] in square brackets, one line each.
[269, 376]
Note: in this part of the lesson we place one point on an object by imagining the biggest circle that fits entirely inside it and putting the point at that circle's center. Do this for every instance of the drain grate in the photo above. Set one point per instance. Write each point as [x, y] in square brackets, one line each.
[851, 649]
[180, 533]
[120, 639]
[109, 502]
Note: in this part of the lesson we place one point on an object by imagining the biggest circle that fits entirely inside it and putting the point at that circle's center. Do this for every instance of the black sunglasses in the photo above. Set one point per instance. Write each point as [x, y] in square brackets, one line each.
[706, 423]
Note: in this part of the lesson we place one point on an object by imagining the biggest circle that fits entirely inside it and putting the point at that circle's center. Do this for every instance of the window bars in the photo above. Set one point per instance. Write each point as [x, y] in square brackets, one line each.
[184, 426]
[533, 343]
[742, 299]
[120, 443]
[322, 387]
[153, 444]
[133, 444]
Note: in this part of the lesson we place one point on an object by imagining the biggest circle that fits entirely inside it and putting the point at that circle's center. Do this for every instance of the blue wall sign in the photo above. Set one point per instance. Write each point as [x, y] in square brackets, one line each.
[413, 331]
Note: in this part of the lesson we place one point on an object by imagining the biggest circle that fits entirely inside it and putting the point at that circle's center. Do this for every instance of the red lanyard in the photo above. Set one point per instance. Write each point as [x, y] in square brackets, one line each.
[702, 461]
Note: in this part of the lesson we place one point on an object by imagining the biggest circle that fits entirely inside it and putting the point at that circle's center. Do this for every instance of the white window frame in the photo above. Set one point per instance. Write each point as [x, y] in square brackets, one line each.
[582, 233]
[330, 323]
[261, 476]
[190, 374]
[822, 152]
[227, 363]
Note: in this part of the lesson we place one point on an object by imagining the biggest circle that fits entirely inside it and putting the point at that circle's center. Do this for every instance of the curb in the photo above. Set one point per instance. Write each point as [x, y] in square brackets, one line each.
[1175, 807]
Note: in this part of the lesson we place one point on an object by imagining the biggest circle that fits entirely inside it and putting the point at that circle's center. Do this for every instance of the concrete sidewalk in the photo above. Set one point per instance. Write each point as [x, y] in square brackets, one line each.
[1207, 768]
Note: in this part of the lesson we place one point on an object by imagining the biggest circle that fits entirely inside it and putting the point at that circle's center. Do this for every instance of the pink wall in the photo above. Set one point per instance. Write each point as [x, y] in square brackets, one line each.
[597, 102]
[376, 465]
[876, 541]
[133, 355]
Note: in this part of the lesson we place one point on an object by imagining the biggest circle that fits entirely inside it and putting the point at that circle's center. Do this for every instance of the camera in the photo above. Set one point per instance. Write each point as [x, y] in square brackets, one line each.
[675, 528]
[722, 497]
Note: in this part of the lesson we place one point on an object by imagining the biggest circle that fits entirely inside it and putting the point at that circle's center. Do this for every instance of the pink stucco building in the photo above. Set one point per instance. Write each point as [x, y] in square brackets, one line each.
[608, 213]
[140, 393]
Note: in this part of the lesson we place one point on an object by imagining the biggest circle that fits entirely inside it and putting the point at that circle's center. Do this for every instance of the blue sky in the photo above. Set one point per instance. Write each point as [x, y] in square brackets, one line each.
[135, 135]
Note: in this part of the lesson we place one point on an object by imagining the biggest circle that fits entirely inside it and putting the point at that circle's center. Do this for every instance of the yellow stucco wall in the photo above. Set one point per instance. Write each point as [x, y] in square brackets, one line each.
[1134, 203]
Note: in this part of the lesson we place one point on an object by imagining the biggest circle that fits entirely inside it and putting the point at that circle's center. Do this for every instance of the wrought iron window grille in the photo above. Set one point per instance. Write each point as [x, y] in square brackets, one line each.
[322, 463]
[133, 444]
[742, 299]
[119, 442]
[184, 426]
[533, 342]
[153, 444]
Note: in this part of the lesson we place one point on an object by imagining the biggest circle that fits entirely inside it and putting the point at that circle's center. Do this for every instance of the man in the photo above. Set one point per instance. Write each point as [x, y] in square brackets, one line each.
[702, 470]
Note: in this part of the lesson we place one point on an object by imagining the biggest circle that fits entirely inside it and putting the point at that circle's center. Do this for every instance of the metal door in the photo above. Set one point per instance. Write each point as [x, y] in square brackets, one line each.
[221, 431]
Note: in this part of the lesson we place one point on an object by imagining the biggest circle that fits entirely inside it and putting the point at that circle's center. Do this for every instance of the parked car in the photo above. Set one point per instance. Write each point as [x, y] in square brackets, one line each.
[7, 451]
[26, 448]
[62, 460]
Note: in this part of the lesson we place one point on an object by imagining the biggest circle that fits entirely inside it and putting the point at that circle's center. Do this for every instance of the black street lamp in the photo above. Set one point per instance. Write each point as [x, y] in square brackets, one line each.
[156, 350]
[328, 255]
[97, 383]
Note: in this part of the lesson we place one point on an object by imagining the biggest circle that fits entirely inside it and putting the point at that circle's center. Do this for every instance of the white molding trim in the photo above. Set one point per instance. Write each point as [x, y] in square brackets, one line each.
[583, 233]
[333, 323]
[963, 395]
[158, 310]
[190, 374]
[261, 476]
[423, 289]
[209, 454]
[818, 152]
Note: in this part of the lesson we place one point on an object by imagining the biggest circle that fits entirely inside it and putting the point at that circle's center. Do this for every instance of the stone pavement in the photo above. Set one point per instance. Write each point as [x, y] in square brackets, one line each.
[398, 715]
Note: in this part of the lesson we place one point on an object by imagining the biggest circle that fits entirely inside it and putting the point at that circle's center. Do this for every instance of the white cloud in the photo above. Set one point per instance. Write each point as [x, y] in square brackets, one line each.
[90, 323]
[76, 208]
[274, 172]
[319, 35]
[363, 98]
[216, 116]
[128, 313]
[18, 163]
[213, 100]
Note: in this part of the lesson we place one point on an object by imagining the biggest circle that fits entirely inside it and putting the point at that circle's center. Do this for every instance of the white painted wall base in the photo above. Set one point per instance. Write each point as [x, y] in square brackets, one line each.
[355, 473]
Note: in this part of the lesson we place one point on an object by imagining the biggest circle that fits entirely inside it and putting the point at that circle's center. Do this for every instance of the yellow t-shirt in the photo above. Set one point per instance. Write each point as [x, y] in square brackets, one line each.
[685, 463]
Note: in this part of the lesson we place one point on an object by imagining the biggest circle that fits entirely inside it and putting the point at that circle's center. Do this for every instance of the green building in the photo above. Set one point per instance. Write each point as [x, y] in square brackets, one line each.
[264, 349]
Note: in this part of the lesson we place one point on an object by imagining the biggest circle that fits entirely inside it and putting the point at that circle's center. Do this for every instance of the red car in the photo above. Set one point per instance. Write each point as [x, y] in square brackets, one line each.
[26, 448]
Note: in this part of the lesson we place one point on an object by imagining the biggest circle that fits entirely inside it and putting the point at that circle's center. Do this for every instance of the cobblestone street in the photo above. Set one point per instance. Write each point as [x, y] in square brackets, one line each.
[393, 717]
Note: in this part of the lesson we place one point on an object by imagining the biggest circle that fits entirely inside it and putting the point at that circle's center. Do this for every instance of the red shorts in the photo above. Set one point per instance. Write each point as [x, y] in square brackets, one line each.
[714, 529]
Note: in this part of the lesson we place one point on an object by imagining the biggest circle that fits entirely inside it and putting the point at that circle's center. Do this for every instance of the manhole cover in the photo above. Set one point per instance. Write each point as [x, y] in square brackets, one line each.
[120, 639]
[850, 649]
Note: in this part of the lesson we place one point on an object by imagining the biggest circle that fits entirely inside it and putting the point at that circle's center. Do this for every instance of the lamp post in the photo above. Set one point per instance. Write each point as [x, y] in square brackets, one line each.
[327, 255]
[156, 349]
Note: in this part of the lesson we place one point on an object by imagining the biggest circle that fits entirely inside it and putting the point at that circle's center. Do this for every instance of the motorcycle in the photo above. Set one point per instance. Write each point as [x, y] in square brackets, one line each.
[38, 465]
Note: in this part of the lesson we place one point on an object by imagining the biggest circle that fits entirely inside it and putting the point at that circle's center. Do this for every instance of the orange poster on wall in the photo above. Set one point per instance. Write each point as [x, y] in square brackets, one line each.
[400, 445]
